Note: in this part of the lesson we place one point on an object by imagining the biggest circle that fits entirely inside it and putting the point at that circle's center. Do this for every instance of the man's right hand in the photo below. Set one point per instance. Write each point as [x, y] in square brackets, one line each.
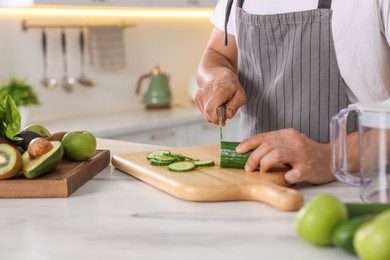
[224, 88]
[218, 79]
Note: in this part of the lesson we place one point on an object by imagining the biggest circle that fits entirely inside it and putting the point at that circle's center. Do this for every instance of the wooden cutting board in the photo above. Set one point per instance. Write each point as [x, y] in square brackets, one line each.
[212, 183]
[63, 181]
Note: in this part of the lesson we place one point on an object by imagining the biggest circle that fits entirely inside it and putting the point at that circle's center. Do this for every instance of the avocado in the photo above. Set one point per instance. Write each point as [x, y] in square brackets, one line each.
[33, 168]
[27, 136]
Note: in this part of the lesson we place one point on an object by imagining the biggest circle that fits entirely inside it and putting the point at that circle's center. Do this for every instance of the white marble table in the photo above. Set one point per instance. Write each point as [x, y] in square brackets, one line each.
[115, 216]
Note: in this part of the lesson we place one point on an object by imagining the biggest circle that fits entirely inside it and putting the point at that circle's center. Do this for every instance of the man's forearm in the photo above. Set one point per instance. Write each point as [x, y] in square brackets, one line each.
[214, 67]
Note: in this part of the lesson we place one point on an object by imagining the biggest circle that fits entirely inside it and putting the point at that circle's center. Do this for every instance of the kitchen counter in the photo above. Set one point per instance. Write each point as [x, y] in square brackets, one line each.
[115, 216]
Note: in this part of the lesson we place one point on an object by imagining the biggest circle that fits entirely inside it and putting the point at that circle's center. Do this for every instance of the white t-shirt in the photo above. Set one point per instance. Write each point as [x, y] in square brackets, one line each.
[361, 33]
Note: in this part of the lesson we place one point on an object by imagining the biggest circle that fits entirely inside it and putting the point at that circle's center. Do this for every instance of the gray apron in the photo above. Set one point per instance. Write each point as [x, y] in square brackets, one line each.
[287, 65]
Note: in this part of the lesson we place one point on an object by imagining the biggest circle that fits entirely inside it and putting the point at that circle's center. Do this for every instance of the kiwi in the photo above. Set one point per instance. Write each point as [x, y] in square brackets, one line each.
[6, 140]
[10, 161]
[27, 136]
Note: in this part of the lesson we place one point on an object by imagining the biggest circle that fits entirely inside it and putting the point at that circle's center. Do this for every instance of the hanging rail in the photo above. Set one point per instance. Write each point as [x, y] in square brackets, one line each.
[26, 25]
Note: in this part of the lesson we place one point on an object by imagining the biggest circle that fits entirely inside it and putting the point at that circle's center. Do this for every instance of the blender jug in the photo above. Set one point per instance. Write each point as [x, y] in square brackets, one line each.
[373, 176]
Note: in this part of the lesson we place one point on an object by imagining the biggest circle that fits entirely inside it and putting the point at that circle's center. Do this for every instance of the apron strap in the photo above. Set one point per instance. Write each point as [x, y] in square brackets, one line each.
[324, 4]
[227, 15]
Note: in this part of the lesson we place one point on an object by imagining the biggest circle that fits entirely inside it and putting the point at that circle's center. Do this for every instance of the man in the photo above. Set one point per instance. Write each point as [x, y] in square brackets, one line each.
[290, 66]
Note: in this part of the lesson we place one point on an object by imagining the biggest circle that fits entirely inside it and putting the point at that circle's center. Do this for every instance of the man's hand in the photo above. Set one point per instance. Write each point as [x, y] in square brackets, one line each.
[218, 79]
[310, 161]
[223, 89]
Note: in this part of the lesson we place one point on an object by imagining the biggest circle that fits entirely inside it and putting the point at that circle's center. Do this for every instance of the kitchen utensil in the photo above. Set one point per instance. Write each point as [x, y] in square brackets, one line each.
[83, 80]
[211, 183]
[62, 182]
[221, 117]
[373, 177]
[67, 82]
[158, 94]
[46, 81]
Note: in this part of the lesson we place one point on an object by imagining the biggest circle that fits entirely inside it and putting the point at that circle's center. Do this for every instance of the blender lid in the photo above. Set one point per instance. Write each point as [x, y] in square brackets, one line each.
[374, 106]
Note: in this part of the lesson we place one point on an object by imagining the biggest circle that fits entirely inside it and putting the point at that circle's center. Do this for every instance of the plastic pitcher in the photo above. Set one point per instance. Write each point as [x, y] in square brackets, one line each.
[373, 176]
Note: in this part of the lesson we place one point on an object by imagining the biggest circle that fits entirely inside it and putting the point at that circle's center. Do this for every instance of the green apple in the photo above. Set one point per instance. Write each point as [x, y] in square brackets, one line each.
[372, 239]
[317, 220]
[39, 129]
[79, 145]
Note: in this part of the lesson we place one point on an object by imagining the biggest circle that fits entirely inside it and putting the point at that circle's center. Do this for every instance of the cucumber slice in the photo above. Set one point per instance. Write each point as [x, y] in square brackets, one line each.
[159, 163]
[151, 155]
[181, 166]
[164, 158]
[190, 158]
[204, 163]
[178, 156]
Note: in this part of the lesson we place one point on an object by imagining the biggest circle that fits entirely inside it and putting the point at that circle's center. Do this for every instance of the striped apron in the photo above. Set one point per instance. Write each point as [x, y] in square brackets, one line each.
[287, 65]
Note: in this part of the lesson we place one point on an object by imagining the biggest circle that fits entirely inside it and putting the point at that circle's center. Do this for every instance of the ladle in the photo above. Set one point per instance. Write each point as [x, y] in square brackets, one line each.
[46, 81]
[83, 80]
[67, 82]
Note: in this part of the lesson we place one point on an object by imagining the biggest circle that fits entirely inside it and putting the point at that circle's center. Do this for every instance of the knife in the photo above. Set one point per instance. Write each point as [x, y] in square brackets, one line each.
[221, 118]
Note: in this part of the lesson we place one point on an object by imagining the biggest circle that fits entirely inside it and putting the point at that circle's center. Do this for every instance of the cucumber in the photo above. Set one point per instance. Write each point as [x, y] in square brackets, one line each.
[181, 166]
[229, 158]
[159, 163]
[176, 161]
[204, 163]
[151, 155]
[178, 156]
[164, 158]
[343, 235]
[360, 209]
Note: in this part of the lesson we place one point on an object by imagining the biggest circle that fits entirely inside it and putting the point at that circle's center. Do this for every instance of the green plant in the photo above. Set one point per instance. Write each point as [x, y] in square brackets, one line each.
[21, 92]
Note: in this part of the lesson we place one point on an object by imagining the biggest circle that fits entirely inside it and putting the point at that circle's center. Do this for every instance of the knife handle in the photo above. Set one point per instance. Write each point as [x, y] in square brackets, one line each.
[282, 198]
[221, 111]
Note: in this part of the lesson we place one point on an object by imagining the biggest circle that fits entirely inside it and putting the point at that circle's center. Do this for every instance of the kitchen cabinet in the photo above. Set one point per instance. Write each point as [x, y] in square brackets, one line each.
[169, 136]
[114, 3]
[184, 134]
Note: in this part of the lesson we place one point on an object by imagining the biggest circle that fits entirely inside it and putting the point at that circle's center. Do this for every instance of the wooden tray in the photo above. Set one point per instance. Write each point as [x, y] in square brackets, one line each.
[63, 181]
[212, 183]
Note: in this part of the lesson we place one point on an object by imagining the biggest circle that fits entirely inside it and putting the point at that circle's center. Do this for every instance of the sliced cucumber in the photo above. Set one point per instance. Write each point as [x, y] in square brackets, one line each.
[151, 155]
[190, 159]
[176, 162]
[204, 163]
[178, 156]
[181, 166]
[229, 158]
[159, 163]
[164, 158]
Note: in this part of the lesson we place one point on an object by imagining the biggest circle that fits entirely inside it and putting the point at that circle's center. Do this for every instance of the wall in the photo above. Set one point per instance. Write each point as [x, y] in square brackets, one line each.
[174, 44]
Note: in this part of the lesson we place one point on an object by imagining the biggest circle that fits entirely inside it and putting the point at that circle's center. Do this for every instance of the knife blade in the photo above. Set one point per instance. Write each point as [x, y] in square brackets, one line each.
[221, 117]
